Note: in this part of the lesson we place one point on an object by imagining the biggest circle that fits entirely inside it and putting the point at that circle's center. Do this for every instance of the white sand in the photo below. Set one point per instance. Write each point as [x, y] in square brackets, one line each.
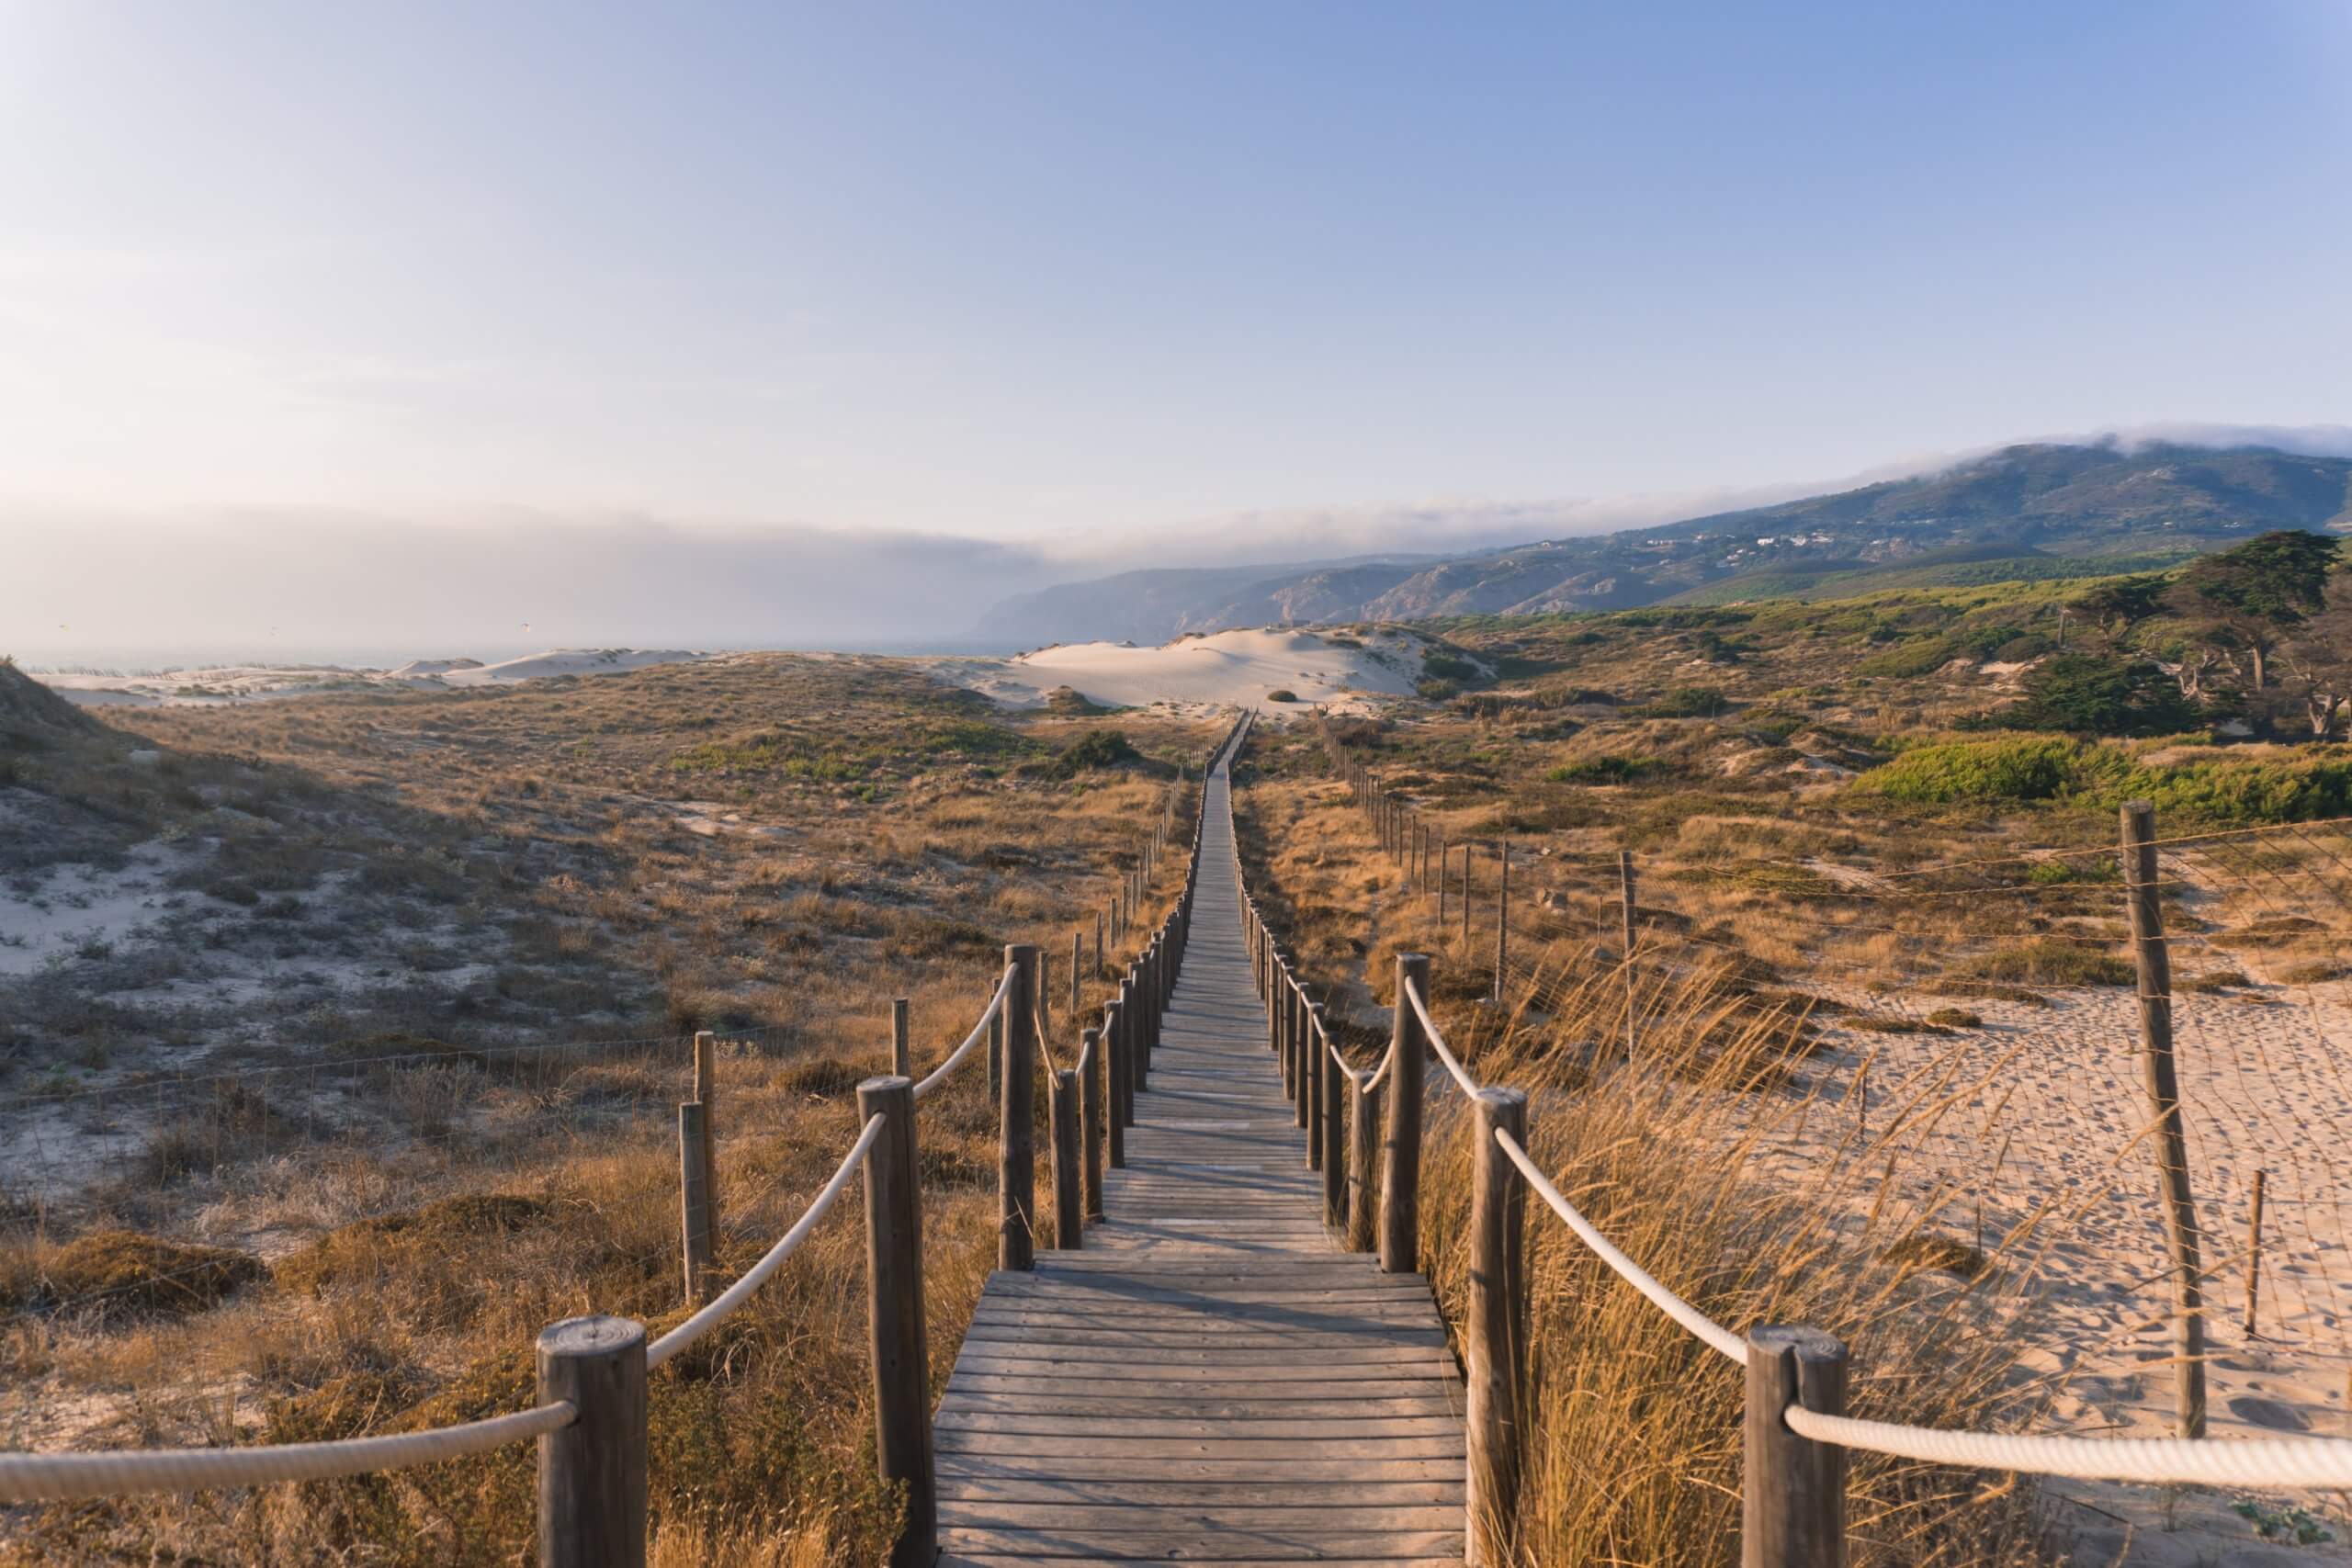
[2041, 1114]
[1229, 669]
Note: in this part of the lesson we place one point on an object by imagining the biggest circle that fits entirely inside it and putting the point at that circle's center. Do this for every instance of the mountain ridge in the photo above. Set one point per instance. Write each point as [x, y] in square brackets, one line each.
[2058, 509]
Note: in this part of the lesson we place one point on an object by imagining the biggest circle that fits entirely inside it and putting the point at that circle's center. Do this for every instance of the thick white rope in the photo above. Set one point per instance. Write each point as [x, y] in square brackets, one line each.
[60, 1478]
[924, 1089]
[1437, 1042]
[1717, 1335]
[736, 1294]
[2269, 1463]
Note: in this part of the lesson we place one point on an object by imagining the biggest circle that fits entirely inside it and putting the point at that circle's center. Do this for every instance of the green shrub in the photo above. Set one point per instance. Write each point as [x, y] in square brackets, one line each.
[1605, 770]
[2034, 767]
[2049, 961]
[1104, 749]
[1282, 694]
[1687, 702]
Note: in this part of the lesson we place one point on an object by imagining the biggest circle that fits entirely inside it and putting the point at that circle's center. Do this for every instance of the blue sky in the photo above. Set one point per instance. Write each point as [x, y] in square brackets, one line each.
[1073, 271]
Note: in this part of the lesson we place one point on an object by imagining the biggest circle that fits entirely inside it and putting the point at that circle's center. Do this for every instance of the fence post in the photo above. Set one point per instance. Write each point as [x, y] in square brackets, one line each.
[902, 1058]
[694, 1198]
[996, 1052]
[2159, 1072]
[1016, 1205]
[1400, 1176]
[592, 1473]
[1130, 1044]
[2253, 1255]
[1122, 1079]
[1364, 1146]
[1496, 1325]
[1310, 1078]
[1098, 944]
[1502, 913]
[1443, 854]
[1793, 1498]
[1091, 1099]
[893, 1315]
[1076, 958]
[1467, 850]
[1061, 1097]
[707, 1095]
[1625, 899]
[1333, 1125]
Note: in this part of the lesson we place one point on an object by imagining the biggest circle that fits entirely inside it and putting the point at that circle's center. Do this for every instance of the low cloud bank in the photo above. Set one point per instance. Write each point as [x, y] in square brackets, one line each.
[88, 585]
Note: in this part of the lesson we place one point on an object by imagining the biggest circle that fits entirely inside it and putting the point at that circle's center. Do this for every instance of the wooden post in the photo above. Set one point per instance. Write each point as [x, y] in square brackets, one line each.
[2254, 1257]
[1466, 850]
[1502, 913]
[1016, 1207]
[1496, 1326]
[1363, 1178]
[1098, 944]
[902, 1057]
[707, 1095]
[1625, 900]
[996, 1052]
[1310, 1079]
[894, 1316]
[1441, 855]
[1793, 1498]
[592, 1473]
[1122, 1106]
[1068, 1191]
[1333, 1121]
[1131, 1039]
[693, 1198]
[1076, 958]
[1400, 1176]
[2139, 856]
[1090, 1101]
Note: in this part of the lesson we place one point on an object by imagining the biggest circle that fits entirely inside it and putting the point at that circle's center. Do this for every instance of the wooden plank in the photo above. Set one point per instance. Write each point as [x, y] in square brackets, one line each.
[1190, 1546]
[1208, 1494]
[1254, 1520]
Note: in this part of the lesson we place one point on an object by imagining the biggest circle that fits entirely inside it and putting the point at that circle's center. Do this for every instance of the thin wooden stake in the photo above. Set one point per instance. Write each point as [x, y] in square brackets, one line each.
[693, 1201]
[902, 1059]
[1092, 1099]
[707, 1095]
[1070, 1197]
[2253, 1255]
[2163, 1082]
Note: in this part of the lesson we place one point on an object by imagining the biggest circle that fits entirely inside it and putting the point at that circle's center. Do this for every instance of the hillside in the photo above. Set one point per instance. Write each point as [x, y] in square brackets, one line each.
[2025, 513]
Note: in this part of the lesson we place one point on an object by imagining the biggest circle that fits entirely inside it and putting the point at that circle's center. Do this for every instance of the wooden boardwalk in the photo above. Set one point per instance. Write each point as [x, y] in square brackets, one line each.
[1210, 1379]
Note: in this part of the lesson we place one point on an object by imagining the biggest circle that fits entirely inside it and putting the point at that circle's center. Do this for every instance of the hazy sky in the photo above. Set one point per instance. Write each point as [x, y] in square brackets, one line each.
[1030, 271]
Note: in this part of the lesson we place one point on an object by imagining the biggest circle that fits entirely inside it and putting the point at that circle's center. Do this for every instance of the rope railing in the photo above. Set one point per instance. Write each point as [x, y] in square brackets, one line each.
[1436, 1038]
[1721, 1339]
[65, 1478]
[736, 1294]
[938, 1076]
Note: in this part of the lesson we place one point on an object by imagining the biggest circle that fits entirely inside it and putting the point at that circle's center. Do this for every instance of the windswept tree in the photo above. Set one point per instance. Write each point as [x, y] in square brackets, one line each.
[2250, 598]
[2319, 659]
[2121, 603]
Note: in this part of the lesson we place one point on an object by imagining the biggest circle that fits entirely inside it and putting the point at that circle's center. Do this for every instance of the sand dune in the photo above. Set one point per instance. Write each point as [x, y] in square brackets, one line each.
[1225, 670]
